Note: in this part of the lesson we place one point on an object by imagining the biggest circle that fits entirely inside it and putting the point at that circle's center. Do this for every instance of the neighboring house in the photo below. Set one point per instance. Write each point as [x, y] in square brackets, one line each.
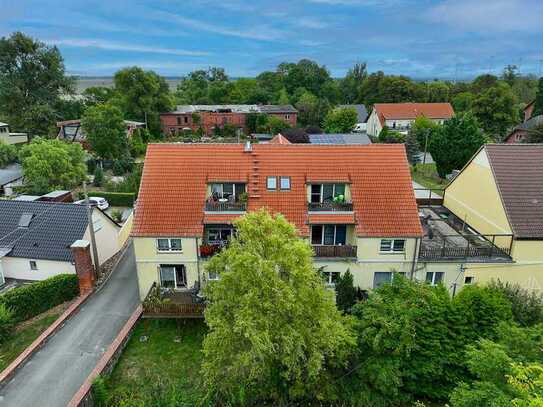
[10, 177]
[339, 138]
[180, 221]
[520, 132]
[11, 138]
[400, 116]
[499, 193]
[362, 116]
[35, 237]
[208, 117]
[71, 130]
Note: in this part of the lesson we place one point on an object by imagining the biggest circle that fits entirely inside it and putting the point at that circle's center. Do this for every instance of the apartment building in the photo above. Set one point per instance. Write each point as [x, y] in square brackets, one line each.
[208, 117]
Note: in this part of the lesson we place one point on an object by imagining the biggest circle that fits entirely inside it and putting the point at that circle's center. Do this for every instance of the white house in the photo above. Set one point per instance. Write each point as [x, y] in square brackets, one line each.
[400, 116]
[35, 238]
[11, 138]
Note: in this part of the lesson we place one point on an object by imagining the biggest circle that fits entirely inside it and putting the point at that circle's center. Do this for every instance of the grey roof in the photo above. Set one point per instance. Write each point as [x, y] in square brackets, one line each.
[349, 138]
[53, 228]
[10, 173]
[360, 109]
[236, 108]
[530, 123]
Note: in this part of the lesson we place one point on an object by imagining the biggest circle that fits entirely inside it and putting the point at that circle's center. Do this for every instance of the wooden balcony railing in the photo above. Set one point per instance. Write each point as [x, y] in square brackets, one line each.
[468, 252]
[344, 251]
[330, 206]
[225, 206]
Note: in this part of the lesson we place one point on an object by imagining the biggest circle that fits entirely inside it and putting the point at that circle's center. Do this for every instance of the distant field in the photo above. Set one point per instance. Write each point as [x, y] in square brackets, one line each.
[87, 82]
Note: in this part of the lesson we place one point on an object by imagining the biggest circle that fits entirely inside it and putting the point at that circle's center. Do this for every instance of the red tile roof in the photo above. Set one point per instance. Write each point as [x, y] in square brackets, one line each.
[389, 111]
[173, 188]
[320, 218]
[279, 139]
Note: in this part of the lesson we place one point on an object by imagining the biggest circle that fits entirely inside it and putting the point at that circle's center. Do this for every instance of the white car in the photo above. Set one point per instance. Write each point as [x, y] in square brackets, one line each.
[101, 203]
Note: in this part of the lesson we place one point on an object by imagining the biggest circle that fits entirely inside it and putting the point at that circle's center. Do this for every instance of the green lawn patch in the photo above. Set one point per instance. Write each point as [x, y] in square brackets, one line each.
[162, 371]
[23, 337]
[426, 175]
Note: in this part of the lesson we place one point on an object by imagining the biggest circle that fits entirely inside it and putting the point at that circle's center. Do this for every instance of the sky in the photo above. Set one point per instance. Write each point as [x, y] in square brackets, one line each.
[451, 39]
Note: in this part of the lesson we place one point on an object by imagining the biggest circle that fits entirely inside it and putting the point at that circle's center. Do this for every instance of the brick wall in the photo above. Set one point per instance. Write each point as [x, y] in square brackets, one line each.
[83, 266]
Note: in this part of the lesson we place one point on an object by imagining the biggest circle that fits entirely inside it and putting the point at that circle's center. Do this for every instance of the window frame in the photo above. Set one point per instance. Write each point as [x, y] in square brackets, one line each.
[330, 277]
[471, 280]
[392, 246]
[216, 278]
[382, 272]
[268, 179]
[321, 190]
[169, 249]
[175, 269]
[432, 281]
[287, 178]
[33, 265]
[323, 226]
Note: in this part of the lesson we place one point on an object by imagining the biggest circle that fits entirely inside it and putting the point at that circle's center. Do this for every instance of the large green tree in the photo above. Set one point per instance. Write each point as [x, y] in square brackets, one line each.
[538, 104]
[52, 164]
[105, 130]
[350, 85]
[273, 327]
[340, 120]
[496, 110]
[32, 80]
[311, 109]
[454, 143]
[142, 95]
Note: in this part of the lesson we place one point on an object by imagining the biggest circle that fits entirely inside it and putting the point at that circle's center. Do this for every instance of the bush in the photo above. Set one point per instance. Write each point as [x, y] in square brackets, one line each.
[114, 198]
[117, 215]
[98, 177]
[131, 182]
[33, 299]
[345, 292]
[122, 166]
[527, 307]
[6, 323]
[8, 154]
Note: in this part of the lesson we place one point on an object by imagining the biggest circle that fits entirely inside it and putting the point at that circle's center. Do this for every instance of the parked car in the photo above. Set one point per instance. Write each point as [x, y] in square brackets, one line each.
[96, 201]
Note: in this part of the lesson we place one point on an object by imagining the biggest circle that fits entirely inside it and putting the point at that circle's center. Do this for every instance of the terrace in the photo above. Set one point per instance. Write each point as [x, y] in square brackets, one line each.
[448, 238]
[168, 303]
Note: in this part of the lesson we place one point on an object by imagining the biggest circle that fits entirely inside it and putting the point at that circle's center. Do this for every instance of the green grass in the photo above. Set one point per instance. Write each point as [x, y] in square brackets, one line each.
[426, 175]
[164, 370]
[19, 341]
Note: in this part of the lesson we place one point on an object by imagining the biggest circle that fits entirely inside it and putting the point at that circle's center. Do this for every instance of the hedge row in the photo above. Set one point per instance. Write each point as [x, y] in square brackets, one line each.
[114, 198]
[33, 299]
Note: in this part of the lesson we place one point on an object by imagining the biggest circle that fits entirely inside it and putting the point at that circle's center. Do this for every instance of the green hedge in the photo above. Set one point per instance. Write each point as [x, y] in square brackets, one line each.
[33, 299]
[114, 198]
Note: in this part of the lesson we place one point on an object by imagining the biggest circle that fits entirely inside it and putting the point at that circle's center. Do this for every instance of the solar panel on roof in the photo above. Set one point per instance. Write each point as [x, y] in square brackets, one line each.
[25, 219]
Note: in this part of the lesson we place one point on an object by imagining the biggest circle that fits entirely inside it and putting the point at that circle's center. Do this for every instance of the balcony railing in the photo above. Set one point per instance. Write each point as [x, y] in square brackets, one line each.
[172, 304]
[344, 251]
[468, 252]
[330, 206]
[226, 206]
[210, 249]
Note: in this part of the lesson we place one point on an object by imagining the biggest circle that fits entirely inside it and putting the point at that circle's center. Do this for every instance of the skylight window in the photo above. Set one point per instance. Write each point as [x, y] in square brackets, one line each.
[25, 219]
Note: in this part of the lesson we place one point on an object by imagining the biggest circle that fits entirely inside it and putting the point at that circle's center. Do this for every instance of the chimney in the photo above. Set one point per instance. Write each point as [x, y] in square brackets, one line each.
[83, 266]
[248, 147]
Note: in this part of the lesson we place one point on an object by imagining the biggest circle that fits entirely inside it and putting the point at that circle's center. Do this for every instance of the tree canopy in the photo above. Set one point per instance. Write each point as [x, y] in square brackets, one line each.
[52, 164]
[32, 80]
[340, 120]
[274, 329]
[538, 103]
[105, 130]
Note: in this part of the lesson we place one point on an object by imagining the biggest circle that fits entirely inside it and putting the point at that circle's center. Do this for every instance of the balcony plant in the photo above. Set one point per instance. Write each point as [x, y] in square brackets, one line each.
[207, 250]
[339, 198]
[243, 197]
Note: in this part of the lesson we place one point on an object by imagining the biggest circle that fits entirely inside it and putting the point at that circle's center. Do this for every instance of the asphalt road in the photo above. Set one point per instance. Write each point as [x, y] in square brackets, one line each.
[53, 375]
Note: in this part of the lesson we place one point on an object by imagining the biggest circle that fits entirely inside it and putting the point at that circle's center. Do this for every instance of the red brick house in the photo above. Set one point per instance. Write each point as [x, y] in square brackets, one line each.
[520, 132]
[210, 116]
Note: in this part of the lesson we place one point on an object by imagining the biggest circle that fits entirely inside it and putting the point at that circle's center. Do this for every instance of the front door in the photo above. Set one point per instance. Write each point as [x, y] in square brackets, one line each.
[180, 276]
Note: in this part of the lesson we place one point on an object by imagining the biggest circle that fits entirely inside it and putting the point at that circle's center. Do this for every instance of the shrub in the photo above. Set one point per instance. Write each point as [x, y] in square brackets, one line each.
[122, 166]
[8, 154]
[33, 299]
[98, 177]
[345, 292]
[527, 307]
[114, 198]
[117, 215]
[6, 322]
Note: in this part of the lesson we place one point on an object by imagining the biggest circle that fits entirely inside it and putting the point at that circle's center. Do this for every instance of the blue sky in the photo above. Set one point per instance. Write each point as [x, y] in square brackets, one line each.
[419, 38]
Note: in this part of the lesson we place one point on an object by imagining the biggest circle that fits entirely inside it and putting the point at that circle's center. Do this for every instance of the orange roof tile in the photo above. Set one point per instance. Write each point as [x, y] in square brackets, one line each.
[279, 139]
[173, 187]
[413, 110]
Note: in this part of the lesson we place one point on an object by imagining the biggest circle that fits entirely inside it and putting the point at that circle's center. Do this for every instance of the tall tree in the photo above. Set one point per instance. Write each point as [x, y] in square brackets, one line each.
[496, 110]
[273, 327]
[142, 95]
[32, 80]
[305, 74]
[538, 105]
[350, 85]
[340, 120]
[510, 74]
[412, 148]
[454, 143]
[311, 109]
[106, 131]
[52, 164]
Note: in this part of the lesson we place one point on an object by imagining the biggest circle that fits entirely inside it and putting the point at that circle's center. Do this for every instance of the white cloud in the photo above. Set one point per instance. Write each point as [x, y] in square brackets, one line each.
[118, 46]
[260, 33]
[489, 15]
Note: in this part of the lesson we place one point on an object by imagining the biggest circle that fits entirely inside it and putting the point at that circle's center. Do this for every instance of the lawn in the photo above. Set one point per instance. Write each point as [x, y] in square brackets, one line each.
[164, 370]
[426, 175]
[25, 335]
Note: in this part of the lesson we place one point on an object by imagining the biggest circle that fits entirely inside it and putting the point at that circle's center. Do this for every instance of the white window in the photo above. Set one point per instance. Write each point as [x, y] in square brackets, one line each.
[434, 277]
[392, 246]
[285, 183]
[468, 280]
[271, 183]
[168, 245]
[380, 278]
[212, 276]
[326, 192]
[330, 277]
[173, 276]
[287, 116]
[33, 265]
[227, 190]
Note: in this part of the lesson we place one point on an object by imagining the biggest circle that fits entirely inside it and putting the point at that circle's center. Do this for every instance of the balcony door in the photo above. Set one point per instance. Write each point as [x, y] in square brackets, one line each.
[329, 235]
[173, 276]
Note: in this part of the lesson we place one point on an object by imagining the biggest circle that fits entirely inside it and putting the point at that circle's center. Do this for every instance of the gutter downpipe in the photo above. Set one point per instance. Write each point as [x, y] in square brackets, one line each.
[198, 264]
[415, 257]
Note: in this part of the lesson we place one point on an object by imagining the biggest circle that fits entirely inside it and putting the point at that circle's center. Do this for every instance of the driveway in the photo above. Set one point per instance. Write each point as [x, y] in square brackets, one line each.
[53, 375]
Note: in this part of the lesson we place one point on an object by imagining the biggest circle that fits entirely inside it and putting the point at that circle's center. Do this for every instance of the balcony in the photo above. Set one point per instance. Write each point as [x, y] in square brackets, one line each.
[227, 206]
[330, 207]
[343, 251]
[448, 238]
[167, 303]
[210, 249]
